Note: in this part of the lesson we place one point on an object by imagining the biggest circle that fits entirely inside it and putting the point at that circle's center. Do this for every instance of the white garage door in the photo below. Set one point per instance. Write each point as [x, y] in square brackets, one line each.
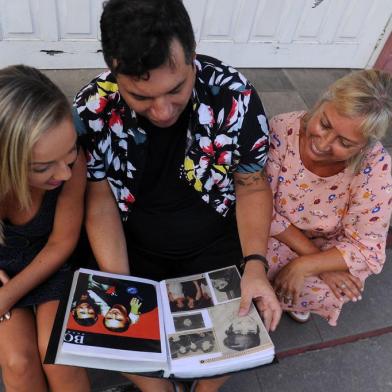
[246, 33]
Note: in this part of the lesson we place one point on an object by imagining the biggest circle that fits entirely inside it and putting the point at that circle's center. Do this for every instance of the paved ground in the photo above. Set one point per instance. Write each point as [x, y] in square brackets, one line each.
[356, 355]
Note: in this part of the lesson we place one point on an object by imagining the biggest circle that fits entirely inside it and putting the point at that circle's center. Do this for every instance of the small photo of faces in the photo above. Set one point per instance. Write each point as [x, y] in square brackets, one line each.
[226, 284]
[188, 295]
[116, 302]
[187, 345]
[188, 322]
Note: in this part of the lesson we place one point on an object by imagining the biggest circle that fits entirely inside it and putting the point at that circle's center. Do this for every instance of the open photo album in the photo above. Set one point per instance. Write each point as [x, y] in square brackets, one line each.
[186, 327]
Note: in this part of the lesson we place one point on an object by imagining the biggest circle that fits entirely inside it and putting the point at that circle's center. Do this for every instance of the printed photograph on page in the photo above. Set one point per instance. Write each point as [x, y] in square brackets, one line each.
[188, 294]
[114, 313]
[188, 322]
[235, 333]
[226, 284]
[190, 344]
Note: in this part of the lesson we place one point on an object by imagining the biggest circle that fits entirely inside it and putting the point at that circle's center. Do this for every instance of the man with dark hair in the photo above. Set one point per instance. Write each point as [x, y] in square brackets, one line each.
[137, 35]
[176, 148]
[85, 311]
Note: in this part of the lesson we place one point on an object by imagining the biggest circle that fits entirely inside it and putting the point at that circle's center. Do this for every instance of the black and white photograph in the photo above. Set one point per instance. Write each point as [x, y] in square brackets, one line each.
[226, 284]
[197, 343]
[188, 322]
[190, 294]
[235, 333]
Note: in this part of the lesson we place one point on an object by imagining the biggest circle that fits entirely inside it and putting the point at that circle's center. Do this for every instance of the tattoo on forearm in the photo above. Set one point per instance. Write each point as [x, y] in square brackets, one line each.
[251, 179]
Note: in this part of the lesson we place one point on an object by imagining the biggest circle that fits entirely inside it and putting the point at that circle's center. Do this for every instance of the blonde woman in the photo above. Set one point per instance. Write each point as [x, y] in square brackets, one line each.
[331, 179]
[42, 181]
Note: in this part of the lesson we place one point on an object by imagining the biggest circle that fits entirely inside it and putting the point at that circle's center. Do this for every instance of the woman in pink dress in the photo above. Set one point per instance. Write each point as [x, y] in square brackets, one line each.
[331, 180]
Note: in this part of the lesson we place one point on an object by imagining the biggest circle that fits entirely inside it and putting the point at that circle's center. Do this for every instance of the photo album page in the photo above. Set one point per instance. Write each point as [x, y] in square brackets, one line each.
[205, 335]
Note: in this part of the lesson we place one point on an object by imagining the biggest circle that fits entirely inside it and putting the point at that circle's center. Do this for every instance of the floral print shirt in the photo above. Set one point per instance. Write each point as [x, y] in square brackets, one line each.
[349, 211]
[227, 132]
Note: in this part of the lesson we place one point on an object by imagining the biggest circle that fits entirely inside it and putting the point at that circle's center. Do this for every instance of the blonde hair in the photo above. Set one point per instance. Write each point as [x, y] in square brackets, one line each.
[30, 104]
[363, 94]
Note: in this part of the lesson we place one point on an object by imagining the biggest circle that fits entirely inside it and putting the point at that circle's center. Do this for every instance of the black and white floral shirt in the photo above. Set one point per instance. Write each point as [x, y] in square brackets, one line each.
[227, 133]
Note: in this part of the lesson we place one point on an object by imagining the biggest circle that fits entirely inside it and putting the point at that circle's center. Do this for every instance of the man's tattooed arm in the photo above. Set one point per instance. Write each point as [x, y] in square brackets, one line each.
[251, 180]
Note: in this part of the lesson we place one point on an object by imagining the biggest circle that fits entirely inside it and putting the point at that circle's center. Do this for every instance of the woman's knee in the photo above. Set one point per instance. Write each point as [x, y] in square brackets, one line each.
[21, 365]
[70, 377]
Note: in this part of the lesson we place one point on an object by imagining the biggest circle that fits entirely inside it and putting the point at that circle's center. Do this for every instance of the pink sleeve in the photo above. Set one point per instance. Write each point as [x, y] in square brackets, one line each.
[366, 223]
[276, 155]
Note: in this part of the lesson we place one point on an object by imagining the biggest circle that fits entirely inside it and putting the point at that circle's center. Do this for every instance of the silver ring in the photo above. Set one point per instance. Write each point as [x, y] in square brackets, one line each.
[5, 316]
[343, 286]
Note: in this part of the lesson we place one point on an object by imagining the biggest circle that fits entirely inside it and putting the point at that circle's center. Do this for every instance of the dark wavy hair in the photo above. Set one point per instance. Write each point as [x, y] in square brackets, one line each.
[86, 321]
[137, 34]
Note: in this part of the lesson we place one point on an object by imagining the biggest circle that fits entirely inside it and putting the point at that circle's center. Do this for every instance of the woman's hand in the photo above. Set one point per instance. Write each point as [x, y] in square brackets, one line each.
[343, 284]
[289, 282]
[255, 286]
[3, 277]
[5, 314]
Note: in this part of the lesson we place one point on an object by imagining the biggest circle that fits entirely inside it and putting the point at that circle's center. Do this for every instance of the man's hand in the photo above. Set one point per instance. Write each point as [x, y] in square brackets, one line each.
[255, 286]
[343, 284]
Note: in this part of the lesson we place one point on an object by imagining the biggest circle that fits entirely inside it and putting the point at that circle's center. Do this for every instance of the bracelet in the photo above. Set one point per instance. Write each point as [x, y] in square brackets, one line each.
[255, 257]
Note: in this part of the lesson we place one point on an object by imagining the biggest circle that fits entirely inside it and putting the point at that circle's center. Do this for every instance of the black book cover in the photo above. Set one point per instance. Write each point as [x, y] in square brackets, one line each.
[51, 351]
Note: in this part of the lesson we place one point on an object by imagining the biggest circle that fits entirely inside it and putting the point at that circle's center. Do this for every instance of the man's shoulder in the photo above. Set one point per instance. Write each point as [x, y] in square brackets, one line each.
[100, 88]
[216, 73]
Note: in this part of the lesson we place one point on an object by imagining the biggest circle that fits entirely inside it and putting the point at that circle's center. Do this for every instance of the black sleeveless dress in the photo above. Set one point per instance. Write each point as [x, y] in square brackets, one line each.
[24, 242]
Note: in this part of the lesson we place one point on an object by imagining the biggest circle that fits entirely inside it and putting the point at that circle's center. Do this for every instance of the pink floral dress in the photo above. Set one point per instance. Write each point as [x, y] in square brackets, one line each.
[349, 211]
